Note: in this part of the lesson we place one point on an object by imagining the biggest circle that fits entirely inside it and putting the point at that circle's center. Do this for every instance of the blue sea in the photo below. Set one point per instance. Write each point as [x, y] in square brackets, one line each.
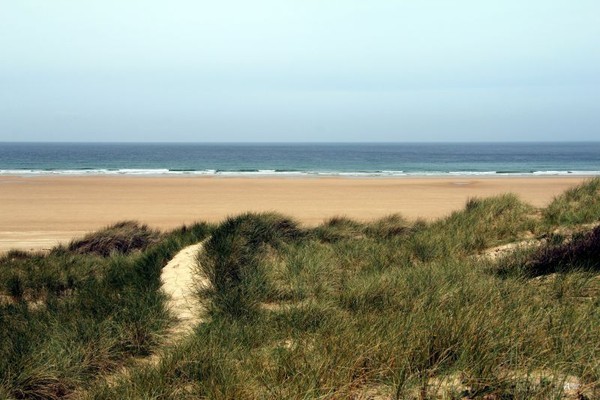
[301, 159]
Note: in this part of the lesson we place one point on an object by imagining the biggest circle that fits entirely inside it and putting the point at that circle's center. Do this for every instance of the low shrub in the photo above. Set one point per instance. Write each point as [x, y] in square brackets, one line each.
[582, 252]
[122, 237]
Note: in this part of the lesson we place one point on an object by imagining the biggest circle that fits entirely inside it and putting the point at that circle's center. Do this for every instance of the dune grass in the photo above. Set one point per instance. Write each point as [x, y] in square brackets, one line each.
[70, 315]
[578, 205]
[232, 260]
[123, 237]
[482, 224]
[385, 309]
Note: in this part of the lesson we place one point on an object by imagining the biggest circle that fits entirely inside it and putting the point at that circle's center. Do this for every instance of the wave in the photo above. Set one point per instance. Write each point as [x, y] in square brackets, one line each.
[277, 172]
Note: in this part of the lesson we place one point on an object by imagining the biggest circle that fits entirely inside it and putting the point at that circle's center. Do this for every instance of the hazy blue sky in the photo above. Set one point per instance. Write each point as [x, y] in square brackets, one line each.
[301, 70]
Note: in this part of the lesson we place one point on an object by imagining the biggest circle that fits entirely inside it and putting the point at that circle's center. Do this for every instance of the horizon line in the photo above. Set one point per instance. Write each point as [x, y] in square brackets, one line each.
[299, 142]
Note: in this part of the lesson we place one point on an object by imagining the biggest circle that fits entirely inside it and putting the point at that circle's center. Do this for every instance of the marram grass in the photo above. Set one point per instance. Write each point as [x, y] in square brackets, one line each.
[68, 317]
[385, 309]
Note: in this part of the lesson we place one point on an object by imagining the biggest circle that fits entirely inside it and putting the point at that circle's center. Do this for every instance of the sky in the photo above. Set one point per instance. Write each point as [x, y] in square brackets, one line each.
[299, 70]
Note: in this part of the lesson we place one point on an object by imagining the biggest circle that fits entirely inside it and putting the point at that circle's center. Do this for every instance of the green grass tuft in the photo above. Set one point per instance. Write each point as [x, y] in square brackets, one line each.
[482, 224]
[393, 225]
[339, 228]
[578, 205]
[232, 259]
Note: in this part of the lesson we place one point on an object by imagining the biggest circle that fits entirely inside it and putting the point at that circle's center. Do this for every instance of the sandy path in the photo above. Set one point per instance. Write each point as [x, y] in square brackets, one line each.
[180, 282]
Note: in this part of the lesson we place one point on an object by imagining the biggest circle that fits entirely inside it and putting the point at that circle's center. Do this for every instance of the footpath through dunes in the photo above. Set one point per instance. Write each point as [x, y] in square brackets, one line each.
[180, 282]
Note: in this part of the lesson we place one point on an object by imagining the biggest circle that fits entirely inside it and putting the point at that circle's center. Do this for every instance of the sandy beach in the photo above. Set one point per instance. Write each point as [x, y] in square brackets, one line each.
[39, 212]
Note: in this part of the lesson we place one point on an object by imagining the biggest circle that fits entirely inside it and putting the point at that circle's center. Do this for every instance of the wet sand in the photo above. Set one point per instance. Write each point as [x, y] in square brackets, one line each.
[39, 212]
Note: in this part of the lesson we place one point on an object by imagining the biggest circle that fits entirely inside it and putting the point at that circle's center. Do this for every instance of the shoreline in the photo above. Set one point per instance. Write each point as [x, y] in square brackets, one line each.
[40, 211]
[271, 174]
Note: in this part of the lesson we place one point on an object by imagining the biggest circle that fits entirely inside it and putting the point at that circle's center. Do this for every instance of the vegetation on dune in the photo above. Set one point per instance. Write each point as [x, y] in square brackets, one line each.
[578, 205]
[67, 317]
[482, 224]
[385, 309]
[36, 276]
[339, 228]
[123, 237]
[388, 309]
[578, 253]
[393, 225]
[581, 252]
[232, 259]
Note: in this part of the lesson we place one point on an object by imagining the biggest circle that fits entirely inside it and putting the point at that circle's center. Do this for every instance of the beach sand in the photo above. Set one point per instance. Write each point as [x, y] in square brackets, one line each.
[39, 212]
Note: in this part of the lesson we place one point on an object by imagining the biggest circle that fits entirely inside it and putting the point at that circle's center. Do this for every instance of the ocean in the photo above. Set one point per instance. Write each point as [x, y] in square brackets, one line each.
[300, 159]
